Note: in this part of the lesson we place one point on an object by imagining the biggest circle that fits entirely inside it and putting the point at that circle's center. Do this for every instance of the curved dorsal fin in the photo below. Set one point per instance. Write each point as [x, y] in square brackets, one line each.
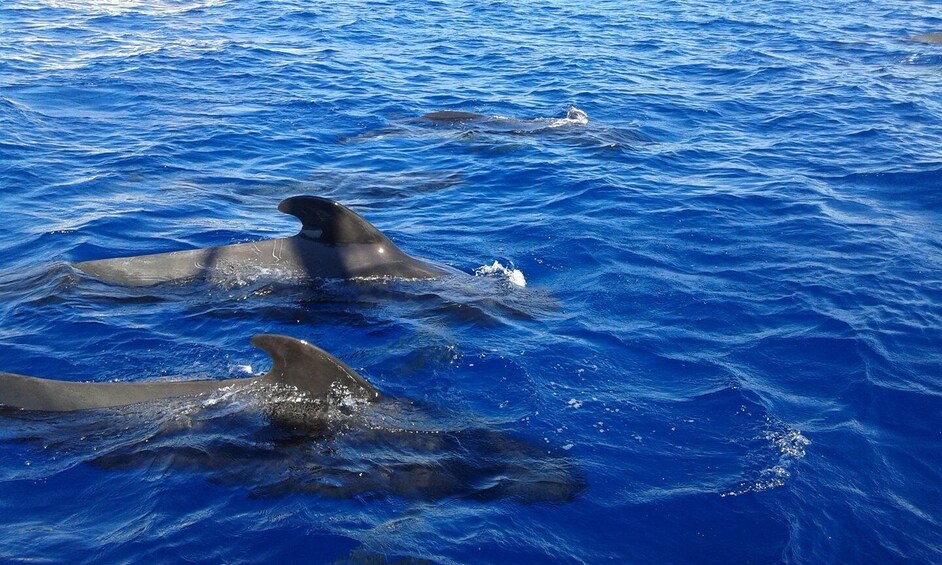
[310, 368]
[330, 222]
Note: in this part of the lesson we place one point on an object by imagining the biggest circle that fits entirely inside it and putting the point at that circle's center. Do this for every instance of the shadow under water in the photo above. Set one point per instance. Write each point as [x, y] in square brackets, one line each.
[574, 128]
[389, 449]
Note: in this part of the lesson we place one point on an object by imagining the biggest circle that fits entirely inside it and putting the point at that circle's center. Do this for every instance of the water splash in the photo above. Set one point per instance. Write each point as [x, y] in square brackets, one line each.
[497, 270]
[574, 117]
[790, 445]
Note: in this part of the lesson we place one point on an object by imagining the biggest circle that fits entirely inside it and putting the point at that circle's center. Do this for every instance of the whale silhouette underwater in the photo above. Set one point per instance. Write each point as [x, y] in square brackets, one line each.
[503, 124]
[334, 243]
[467, 122]
[492, 132]
[934, 37]
[313, 425]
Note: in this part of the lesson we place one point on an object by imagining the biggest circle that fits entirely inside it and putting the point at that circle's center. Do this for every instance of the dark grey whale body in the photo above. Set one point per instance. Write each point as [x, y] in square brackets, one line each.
[297, 363]
[453, 116]
[574, 117]
[334, 242]
[321, 441]
[500, 133]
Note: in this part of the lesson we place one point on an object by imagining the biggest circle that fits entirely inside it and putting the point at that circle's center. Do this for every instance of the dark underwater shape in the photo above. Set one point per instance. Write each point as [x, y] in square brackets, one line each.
[334, 242]
[935, 37]
[452, 116]
[497, 133]
[574, 116]
[339, 438]
[367, 462]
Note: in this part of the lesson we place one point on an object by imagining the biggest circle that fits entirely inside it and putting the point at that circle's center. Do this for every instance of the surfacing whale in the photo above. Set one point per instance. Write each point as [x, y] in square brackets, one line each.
[574, 117]
[296, 363]
[489, 132]
[323, 430]
[334, 242]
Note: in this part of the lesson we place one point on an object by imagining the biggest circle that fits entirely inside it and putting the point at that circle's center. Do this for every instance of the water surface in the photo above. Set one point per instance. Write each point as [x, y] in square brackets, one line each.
[732, 308]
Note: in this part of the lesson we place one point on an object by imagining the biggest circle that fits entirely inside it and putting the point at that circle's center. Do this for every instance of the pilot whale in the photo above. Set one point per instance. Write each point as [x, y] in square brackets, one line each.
[574, 117]
[296, 363]
[471, 123]
[334, 242]
[333, 435]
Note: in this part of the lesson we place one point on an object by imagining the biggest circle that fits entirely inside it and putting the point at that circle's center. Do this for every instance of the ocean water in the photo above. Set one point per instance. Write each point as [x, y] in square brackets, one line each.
[698, 316]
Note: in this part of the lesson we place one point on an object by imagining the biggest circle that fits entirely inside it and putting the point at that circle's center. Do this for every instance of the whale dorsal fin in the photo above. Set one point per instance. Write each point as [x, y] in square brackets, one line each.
[309, 368]
[330, 222]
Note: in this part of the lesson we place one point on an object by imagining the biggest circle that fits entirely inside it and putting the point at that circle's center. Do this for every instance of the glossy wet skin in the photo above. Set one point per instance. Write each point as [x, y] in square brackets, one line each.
[334, 242]
[451, 115]
[304, 447]
[296, 363]
[297, 257]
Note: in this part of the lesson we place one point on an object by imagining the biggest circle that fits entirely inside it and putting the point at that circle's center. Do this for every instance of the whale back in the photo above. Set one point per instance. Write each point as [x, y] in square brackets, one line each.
[295, 362]
[334, 242]
[21, 392]
[331, 223]
[452, 116]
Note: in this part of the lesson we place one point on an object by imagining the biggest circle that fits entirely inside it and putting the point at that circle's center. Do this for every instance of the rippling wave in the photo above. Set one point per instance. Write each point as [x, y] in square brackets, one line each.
[697, 295]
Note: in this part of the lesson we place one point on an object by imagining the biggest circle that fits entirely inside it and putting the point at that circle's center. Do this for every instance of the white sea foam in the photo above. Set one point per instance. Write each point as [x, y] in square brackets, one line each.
[574, 117]
[497, 270]
[790, 445]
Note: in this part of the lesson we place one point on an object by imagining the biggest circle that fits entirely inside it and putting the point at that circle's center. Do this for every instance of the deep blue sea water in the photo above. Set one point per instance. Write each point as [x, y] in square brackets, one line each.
[730, 331]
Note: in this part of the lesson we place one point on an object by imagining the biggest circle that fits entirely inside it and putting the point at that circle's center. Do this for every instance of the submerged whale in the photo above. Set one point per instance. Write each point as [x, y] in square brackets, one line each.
[501, 133]
[934, 37]
[334, 242]
[323, 430]
[574, 117]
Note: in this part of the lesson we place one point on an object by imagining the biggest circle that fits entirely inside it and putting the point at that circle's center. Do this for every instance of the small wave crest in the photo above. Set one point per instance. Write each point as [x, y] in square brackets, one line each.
[497, 270]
